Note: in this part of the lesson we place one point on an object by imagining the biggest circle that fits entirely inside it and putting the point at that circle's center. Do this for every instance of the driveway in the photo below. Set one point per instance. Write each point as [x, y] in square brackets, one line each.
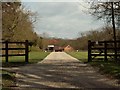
[61, 71]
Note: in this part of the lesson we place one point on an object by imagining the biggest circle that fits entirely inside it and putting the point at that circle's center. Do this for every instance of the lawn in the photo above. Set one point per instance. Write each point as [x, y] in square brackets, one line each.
[82, 56]
[110, 68]
[34, 57]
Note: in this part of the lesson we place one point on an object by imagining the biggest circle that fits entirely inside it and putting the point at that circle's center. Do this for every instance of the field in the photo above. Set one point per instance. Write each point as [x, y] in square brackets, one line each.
[34, 57]
[82, 56]
[110, 68]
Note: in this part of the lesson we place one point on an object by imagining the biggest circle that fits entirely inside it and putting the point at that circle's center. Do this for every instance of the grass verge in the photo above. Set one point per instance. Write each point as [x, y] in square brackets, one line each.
[82, 56]
[34, 57]
[110, 68]
[8, 80]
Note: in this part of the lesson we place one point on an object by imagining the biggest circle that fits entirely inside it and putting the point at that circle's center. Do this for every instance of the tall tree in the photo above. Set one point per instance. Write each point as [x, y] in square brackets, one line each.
[10, 18]
[103, 10]
[17, 23]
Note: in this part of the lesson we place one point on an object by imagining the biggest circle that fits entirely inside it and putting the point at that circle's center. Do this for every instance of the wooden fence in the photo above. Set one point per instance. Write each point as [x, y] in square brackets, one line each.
[104, 49]
[6, 48]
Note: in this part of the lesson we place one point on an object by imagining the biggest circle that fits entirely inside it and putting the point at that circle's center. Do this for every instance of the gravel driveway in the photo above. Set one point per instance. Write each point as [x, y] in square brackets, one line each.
[61, 71]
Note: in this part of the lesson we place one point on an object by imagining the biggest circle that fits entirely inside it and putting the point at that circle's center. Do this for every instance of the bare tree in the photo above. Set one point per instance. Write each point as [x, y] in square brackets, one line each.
[103, 10]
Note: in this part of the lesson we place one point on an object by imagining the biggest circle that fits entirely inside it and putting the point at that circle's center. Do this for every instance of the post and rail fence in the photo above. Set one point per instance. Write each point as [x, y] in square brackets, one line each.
[106, 49]
[6, 48]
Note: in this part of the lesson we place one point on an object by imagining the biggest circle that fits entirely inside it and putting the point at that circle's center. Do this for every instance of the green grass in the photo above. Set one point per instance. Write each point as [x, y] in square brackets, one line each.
[82, 56]
[34, 57]
[34, 49]
[110, 68]
[37, 56]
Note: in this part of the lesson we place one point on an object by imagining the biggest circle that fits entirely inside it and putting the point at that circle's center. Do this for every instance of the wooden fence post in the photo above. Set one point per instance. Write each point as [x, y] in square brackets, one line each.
[26, 51]
[105, 52]
[6, 51]
[89, 51]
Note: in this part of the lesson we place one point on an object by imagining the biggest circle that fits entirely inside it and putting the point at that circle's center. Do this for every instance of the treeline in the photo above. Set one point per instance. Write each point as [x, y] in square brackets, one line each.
[17, 23]
[102, 34]
[81, 43]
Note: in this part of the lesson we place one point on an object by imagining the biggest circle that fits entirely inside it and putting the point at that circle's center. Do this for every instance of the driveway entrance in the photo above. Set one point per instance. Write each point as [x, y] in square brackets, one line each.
[60, 70]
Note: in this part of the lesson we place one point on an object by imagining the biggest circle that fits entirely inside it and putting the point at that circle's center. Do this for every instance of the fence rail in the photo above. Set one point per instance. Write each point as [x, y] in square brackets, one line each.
[7, 48]
[103, 48]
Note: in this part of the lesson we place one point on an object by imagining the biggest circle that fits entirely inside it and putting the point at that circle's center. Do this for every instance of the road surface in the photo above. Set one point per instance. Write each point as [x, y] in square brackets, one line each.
[61, 71]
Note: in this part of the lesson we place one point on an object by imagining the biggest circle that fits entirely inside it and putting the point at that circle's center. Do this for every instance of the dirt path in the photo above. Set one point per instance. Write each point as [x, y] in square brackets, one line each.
[60, 70]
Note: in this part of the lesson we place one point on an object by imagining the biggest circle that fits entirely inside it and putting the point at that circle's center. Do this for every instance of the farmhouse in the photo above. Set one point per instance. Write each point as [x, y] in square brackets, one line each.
[68, 48]
[52, 48]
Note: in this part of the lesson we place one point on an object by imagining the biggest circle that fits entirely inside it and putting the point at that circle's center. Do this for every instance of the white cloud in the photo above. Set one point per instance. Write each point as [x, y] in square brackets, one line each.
[62, 19]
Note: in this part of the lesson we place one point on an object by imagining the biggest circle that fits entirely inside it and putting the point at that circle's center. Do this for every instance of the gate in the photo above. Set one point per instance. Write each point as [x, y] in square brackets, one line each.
[6, 49]
[104, 49]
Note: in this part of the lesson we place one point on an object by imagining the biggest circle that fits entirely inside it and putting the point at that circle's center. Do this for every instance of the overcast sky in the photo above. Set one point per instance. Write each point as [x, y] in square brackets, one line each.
[62, 19]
